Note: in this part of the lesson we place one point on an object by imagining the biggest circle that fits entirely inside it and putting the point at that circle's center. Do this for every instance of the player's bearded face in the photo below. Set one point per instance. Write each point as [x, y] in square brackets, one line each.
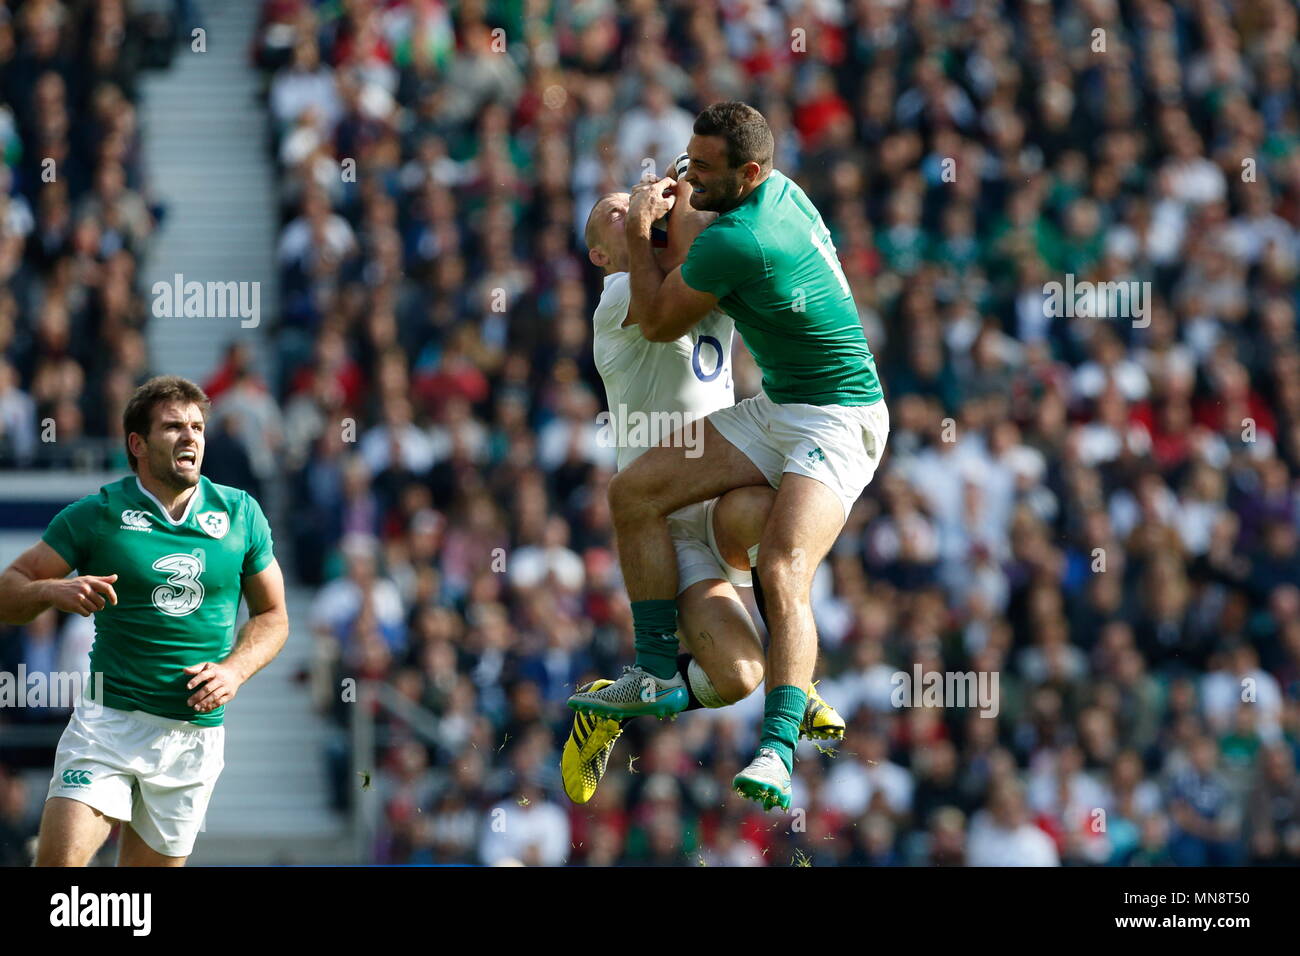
[175, 445]
[715, 186]
[717, 190]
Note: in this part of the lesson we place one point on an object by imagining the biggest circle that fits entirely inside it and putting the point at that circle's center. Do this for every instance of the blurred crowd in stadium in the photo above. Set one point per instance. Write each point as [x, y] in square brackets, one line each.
[1103, 511]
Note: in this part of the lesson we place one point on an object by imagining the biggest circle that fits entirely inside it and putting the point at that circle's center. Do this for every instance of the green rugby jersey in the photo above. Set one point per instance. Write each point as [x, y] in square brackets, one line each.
[178, 586]
[772, 265]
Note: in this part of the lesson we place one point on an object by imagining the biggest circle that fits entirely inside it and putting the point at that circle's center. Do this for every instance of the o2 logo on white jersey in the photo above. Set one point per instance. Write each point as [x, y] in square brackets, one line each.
[719, 361]
[183, 592]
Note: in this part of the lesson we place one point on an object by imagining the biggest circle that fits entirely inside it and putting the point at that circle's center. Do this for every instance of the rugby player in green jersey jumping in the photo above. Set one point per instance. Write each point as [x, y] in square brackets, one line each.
[162, 558]
[816, 432]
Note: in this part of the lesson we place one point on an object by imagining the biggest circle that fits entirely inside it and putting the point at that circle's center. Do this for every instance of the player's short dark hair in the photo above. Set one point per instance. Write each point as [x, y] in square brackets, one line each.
[749, 138]
[162, 388]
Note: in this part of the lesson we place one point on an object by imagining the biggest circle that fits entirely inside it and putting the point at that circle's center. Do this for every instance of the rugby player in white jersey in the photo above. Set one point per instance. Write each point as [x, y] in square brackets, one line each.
[653, 387]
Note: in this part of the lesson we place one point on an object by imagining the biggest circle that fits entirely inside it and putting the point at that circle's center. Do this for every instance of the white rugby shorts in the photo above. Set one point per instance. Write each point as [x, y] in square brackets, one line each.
[158, 774]
[838, 445]
[698, 557]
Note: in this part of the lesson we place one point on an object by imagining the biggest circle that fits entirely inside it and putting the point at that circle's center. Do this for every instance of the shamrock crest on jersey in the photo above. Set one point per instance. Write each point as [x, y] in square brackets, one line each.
[215, 523]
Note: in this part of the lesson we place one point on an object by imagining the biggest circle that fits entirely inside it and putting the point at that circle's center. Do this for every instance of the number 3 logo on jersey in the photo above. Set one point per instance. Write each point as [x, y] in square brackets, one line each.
[182, 594]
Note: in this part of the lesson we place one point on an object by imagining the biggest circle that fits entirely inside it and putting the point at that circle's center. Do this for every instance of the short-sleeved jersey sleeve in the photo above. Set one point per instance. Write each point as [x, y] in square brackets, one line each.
[72, 532]
[611, 340]
[725, 256]
[261, 549]
[611, 310]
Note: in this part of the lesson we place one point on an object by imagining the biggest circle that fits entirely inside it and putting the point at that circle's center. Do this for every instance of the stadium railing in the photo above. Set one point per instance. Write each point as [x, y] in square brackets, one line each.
[369, 741]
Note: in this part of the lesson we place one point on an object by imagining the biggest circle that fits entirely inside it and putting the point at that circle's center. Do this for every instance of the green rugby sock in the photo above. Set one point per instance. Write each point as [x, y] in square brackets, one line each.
[654, 624]
[782, 716]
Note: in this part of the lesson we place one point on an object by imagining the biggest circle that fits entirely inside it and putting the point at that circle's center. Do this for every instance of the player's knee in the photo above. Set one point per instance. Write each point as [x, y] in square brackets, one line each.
[629, 498]
[739, 681]
[784, 575]
[620, 500]
[749, 676]
[738, 521]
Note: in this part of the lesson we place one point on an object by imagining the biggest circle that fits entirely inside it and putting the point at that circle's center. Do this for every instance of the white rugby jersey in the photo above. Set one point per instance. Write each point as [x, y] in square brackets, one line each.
[655, 387]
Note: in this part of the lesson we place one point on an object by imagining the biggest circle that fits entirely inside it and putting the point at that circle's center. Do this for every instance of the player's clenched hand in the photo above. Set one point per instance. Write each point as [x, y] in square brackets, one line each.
[82, 595]
[649, 203]
[217, 684]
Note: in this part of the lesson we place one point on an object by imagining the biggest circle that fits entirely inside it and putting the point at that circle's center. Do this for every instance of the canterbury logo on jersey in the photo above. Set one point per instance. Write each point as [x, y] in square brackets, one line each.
[136, 521]
[76, 778]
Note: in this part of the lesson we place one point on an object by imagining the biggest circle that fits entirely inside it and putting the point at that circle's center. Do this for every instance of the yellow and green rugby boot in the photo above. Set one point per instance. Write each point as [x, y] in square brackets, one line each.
[587, 751]
[821, 721]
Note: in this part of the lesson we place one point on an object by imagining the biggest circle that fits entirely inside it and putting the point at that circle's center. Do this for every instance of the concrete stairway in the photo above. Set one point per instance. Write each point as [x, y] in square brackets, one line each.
[271, 804]
[205, 135]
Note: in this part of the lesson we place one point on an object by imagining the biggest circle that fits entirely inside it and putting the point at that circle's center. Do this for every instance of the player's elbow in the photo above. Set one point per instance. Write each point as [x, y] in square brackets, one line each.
[18, 613]
[10, 617]
[14, 610]
[277, 620]
[272, 618]
[656, 330]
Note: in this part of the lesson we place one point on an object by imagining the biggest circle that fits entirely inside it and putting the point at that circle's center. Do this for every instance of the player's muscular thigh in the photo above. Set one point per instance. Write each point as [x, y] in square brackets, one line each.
[804, 522]
[71, 833]
[694, 465]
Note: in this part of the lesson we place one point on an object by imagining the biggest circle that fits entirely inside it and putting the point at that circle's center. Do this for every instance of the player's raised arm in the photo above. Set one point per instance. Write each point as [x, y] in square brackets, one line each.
[664, 306]
[38, 580]
[685, 223]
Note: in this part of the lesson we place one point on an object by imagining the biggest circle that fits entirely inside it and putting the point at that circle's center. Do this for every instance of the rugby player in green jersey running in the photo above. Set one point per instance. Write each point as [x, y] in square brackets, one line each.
[163, 557]
[816, 432]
